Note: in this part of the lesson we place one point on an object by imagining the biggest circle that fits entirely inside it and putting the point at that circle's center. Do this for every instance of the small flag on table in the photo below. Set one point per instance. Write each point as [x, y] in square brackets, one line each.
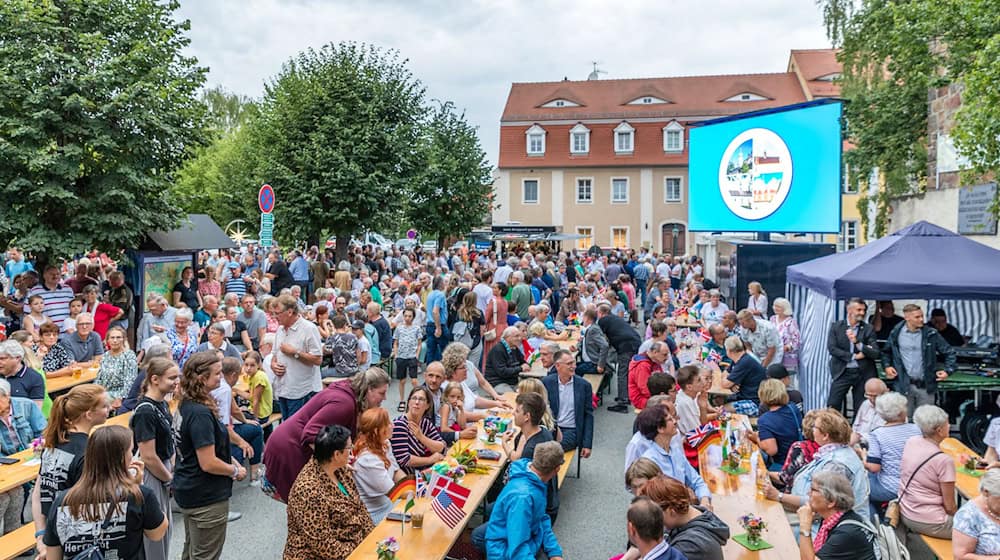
[442, 484]
[703, 435]
[450, 512]
[714, 356]
[408, 484]
[705, 335]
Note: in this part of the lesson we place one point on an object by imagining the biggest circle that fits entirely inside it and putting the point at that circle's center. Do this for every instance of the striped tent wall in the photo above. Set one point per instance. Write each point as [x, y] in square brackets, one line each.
[814, 313]
[972, 318]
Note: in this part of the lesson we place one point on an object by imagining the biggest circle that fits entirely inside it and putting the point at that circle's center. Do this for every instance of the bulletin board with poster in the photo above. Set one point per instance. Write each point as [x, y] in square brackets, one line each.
[160, 273]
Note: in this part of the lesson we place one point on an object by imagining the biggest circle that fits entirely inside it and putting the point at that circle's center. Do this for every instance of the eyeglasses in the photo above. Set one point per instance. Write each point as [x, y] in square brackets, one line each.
[418, 399]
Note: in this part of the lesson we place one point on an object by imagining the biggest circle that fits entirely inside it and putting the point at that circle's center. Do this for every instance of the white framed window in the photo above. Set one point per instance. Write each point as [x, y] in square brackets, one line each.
[584, 190]
[624, 138]
[849, 185]
[579, 139]
[673, 137]
[746, 96]
[647, 100]
[848, 235]
[587, 241]
[619, 236]
[535, 140]
[619, 190]
[672, 190]
[561, 103]
[529, 191]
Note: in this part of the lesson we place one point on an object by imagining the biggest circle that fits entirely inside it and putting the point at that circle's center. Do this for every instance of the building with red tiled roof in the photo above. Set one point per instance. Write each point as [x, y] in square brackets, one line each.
[607, 159]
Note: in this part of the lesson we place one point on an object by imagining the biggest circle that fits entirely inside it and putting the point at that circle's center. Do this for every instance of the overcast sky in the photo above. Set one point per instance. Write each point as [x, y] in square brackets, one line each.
[470, 51]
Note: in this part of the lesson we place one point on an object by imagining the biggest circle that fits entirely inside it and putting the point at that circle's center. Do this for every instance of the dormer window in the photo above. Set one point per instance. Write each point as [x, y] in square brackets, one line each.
[828, 77]
[647, 100]
[535, 140]
[579, 139]
[673, 137]
[624, 138]
[561, 103]
[746, 96]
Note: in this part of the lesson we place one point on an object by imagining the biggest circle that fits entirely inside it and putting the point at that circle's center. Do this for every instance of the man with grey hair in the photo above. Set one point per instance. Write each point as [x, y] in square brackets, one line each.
[546, 355]
[505, 362]
[157, 320]
[217, 342]
[24, 381]
[520, 295]
[745, 376]
[84, 344]
[209, 305]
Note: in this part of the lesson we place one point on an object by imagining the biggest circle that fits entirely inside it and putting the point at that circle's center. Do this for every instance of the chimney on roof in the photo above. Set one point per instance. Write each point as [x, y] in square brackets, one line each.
[596, 74]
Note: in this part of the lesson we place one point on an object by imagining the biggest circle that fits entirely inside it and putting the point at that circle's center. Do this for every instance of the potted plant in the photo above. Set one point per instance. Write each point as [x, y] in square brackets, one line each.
[733, 460]
[387, 548]
[754, 526]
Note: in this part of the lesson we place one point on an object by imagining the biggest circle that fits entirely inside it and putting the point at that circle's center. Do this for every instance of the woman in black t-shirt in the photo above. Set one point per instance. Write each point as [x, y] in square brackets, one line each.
[842, 534]
[205, 470]
[71, 419]
[108, 510]
[151, 424]
[186, 291]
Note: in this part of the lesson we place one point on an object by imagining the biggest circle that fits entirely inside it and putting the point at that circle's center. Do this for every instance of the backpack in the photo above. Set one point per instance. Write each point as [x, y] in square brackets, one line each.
[461, 332]
[888, 545]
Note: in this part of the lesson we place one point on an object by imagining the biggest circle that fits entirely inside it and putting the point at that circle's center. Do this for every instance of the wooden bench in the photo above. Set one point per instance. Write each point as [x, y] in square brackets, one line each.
[17, 542]
[940, 547]
[564, 469]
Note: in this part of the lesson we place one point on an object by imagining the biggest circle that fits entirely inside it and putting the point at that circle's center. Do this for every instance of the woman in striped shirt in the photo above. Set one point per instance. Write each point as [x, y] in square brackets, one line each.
[416, 442]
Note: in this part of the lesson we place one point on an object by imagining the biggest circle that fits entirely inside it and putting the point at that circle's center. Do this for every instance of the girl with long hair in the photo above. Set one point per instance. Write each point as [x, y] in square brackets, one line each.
[375, 467]
[106, 510]
[151, 424]
[205, 471]
[71, 419]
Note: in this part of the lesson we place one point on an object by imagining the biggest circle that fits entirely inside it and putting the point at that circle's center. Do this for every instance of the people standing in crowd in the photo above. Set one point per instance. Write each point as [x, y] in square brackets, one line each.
[118, 367]
[289, 447]
[976, 531]
[916, 358]
[326, 517]
[437, 334]
[297, 355]
[692, 530]
[277, 273]
[209, 285]
[625, 341]
[157, 321]
[761, 337]
[570, 396]
[205, 470]
[54, 293]
[109, 509]
[182, 336]
[867, 418]
[375, 468]
[416, 441]
[884, 320]
[120, 295]
[853, 351]
[254, 319]
[757, 302]
[152, 426]
[341, 349]
[185, 292]
[73, 416]
[788, 331]
[927, 476]
[842, 533]
[885, 448]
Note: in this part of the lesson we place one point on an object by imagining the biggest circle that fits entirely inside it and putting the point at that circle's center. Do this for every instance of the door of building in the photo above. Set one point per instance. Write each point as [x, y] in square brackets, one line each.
[674, 238]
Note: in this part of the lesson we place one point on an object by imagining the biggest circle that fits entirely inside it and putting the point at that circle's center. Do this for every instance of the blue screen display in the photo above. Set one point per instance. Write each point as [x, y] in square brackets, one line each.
[777, 172]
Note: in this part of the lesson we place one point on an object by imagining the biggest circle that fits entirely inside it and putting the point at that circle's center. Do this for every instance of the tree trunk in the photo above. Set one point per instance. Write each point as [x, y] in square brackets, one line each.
[343, 243]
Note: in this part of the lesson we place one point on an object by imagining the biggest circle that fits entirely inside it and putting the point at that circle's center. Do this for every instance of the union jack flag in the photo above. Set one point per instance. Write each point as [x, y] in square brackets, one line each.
[422, 485]
[449, 511]
[714, 356]
[701, 434]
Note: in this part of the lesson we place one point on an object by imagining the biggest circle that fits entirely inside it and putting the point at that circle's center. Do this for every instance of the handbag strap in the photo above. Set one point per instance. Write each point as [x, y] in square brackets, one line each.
[915, 471]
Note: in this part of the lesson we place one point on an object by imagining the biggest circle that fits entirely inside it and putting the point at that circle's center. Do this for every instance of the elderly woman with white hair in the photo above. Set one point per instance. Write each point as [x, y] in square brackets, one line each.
[885, 448]
[183, 336]
[788, 332]
[976, 533]
[842, 532]
[505, 362]
[927, 489]
[712, 312]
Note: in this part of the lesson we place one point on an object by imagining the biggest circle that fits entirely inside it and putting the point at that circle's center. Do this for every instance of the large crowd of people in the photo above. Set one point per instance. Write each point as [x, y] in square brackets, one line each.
[244, 335]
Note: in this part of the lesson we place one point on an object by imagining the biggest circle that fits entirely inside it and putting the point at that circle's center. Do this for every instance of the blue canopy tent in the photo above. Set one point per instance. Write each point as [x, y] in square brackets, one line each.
[922, 261]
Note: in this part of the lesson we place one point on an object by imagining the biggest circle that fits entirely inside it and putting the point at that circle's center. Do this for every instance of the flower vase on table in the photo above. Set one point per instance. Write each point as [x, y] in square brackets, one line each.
[971, 465]
[387, 549]
[733, 463]
[37, 446]
[754, 526]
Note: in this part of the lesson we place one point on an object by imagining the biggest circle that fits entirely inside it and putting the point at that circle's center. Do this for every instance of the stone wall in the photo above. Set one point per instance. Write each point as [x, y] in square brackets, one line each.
[942, 103]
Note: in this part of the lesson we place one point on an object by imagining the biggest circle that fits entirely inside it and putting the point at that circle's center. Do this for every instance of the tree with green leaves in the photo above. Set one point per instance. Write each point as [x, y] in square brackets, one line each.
[98, 108]
[454, 193]
[338, 137]
[893, 53]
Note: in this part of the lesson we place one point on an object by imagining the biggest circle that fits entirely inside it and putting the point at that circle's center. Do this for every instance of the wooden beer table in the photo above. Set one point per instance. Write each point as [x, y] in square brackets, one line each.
[59, 384]
[967, 485]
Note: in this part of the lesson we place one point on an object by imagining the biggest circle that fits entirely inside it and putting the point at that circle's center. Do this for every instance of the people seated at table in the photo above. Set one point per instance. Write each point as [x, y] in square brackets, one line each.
[799, 454]
[416, 441]
[927, 477]
[548, 421]
[289, 447]
[885, 448]
[24, 381]
[951, 335]
[639, 444]
[642, 366]
[571, 398]
[645, 532]
[976, 531]
[118, 368]
[375, 468]
[505, 361]
[692, 530]
[528, 412]
[592, 351]
[245, 434]
[536, 335]
[518, 526]
[641, 471]
[866, 418]
[779, 427]
[843, 534]
[458, 368]
[216, 334]
[25, 422]
[831, 432]
[452, 413]
[717, 344]
[56, 359]
[992, 442]
[744, 378]
[182, 336]
[85, 345]
[326, 517]
[712, 312]
[660, 427]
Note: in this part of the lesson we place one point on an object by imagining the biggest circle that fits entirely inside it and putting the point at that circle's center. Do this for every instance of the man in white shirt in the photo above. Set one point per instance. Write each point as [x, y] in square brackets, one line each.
[866, 419]
[483, 291]
[298, 352]
[502, 275]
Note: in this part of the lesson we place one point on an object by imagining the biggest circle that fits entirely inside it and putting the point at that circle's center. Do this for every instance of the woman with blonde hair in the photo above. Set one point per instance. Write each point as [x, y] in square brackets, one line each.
[375, 468]
[71, 420]
[104, 512]
[757, 303]
[532, 385]
[118, 368]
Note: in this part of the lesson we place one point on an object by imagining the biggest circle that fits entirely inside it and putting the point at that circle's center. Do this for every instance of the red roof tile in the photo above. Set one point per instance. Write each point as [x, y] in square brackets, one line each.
[816, 63]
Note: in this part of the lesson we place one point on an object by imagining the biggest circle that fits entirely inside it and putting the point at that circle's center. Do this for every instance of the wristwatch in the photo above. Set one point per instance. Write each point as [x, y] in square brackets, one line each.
[780, 496]
[805, 534]
[296, 355]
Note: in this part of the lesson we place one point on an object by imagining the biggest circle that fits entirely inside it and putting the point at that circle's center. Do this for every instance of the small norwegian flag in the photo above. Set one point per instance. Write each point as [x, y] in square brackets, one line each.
[449, 511]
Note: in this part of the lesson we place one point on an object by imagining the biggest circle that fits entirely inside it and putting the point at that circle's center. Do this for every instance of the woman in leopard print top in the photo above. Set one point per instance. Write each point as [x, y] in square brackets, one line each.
[326, 517]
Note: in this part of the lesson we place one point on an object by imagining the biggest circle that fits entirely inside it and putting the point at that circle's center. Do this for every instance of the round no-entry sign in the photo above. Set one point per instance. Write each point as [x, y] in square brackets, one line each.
[265, 199]
[411, 234]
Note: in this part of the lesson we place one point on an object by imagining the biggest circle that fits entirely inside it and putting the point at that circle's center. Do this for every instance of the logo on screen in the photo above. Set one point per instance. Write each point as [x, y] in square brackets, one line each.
[755, 174]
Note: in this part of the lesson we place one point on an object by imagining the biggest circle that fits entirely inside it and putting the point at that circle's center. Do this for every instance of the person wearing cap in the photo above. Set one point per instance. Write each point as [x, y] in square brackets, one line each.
[780, 372]
[518, 527]
[364, 351]
[236, 283]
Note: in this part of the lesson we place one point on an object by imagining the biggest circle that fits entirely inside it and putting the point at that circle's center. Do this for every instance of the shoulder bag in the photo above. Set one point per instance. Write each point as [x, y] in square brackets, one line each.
[892, 510]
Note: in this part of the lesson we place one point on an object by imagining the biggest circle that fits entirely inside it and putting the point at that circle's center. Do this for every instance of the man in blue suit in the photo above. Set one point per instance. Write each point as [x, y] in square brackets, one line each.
[572, 402]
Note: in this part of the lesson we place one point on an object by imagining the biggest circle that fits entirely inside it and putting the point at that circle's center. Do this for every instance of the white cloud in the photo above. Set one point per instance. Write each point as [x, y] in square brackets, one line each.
[471, 51]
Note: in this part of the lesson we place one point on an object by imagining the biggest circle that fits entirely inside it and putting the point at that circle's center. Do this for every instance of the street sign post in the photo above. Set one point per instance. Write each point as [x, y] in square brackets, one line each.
[265, 200]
